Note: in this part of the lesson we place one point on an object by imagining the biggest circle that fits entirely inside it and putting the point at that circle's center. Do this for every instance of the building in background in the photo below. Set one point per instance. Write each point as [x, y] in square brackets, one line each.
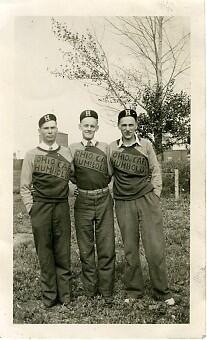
[62, 139]
[177, 153]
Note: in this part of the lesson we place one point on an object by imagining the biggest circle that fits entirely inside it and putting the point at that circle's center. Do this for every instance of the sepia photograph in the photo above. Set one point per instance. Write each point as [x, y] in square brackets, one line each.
[102, 176]
[129, 76]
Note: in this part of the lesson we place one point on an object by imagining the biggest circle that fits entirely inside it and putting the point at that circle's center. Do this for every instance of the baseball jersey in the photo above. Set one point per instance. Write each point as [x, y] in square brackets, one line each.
[90, 165]
[45, 176]
[135, 168]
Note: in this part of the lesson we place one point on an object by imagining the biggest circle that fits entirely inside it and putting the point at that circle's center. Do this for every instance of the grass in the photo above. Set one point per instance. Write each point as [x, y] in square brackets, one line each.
[26, 285]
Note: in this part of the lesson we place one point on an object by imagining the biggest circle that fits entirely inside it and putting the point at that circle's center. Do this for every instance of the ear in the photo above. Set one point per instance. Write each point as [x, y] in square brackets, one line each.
[97, 127]
[79, 125]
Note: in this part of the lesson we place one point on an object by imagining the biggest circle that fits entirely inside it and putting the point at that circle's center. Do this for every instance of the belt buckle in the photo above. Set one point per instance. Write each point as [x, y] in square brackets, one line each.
[95, 191]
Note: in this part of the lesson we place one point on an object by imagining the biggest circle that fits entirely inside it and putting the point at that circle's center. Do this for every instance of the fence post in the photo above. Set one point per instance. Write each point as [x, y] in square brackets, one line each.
[176, 184]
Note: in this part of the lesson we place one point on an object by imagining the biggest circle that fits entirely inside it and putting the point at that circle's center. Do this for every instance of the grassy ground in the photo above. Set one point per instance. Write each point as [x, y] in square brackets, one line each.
[26, 288]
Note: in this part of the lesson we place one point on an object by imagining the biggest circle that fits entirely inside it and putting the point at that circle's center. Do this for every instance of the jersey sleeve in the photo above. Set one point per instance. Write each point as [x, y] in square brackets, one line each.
[72, 166]
[26, 181]
[109, 164]
[156, 178]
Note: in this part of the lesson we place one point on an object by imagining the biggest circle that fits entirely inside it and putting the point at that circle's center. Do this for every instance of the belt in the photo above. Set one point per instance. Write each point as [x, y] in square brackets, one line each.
[93, 192]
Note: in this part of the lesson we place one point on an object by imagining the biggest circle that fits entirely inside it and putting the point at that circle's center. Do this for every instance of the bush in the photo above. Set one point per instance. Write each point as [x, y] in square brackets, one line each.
[168, 176]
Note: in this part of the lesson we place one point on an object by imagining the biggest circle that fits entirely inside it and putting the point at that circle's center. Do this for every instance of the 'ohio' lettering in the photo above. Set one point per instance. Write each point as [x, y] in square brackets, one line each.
[52, 166]
[90, 160]
[136, 165]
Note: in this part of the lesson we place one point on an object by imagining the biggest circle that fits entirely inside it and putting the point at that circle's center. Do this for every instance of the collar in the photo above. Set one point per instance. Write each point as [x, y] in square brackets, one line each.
[121, 143]
[93, 141]
[46, 147]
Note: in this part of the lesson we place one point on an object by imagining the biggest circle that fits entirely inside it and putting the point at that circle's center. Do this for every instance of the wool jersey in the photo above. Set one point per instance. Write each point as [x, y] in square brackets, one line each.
[45, 176]
[90, 165]
[135, 169]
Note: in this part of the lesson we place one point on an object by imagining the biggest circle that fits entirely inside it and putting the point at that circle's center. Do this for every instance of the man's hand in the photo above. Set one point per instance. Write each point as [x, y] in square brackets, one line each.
[76, 192]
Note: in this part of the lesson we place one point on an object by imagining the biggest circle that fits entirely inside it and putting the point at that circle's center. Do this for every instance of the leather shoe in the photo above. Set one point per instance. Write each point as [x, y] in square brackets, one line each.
[108, 300]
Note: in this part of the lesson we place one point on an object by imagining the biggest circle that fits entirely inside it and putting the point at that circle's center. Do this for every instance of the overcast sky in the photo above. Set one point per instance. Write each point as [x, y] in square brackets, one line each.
[38, 92]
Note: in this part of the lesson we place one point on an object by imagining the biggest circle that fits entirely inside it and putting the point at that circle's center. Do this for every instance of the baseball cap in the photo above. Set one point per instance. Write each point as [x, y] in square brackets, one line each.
[47, 118]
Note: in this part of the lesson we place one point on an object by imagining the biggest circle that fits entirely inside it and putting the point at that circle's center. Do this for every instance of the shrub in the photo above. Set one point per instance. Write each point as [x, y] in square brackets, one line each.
[168, 176]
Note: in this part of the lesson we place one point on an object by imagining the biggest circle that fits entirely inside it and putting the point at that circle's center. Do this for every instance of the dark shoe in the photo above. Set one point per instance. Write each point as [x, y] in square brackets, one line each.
[90, 295]
[108, 300]
[50, 304]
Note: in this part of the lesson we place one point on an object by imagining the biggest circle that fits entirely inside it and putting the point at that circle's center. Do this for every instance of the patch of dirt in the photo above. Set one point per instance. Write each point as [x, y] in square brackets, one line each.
[20, 238]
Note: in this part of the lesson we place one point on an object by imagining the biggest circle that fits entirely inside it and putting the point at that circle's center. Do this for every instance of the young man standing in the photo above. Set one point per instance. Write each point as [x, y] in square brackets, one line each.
[44, 190]
[137, 187]
[93, 210]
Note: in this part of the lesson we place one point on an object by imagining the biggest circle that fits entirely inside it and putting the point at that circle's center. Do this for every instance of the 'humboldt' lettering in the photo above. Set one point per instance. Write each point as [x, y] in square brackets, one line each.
[52, 166]
[137, 165]
[90, 160]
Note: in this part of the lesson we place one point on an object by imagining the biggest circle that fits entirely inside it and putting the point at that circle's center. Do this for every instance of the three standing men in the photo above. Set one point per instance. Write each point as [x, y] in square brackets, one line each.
[44, 189]
[93, 210]
[137, 187]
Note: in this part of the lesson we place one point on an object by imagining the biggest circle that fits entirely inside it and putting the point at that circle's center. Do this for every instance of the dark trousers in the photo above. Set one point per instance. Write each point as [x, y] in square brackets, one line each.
[143, 216]
[94, 223]
[52, 232]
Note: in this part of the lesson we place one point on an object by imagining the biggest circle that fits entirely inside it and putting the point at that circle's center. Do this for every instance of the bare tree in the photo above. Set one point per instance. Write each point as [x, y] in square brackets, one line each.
[158, 61]
[148, 39]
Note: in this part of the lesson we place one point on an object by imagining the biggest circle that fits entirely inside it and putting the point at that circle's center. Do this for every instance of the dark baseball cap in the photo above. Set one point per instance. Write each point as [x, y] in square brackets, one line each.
[127, 113]
[47, 118]
[88, 113]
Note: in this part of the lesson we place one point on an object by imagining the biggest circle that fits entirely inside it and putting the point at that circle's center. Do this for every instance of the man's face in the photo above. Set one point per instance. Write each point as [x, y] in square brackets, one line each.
[48, 132]
[88, 126]
[128, 126]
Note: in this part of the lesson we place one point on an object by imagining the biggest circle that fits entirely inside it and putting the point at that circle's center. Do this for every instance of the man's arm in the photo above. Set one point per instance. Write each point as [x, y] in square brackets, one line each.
[26, 181]
[109, 163]
[156, 178]
[72, 177]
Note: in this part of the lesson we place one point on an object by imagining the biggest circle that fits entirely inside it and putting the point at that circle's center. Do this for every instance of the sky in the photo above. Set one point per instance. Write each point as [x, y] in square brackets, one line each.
[37, 92]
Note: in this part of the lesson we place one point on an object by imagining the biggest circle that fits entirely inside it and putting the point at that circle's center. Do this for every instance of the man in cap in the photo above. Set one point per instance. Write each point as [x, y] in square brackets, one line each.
[44, 190]
[137, 187]
[93, 210]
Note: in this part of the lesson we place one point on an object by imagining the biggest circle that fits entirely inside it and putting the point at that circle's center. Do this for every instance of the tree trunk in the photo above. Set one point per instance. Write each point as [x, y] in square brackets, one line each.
[158, 144]
[158, 133]
[159, 53]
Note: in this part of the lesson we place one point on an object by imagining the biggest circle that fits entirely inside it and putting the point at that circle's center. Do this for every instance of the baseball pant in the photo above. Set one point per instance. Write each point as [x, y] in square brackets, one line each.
[94, 223]
[52, 232]
[143, 216]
